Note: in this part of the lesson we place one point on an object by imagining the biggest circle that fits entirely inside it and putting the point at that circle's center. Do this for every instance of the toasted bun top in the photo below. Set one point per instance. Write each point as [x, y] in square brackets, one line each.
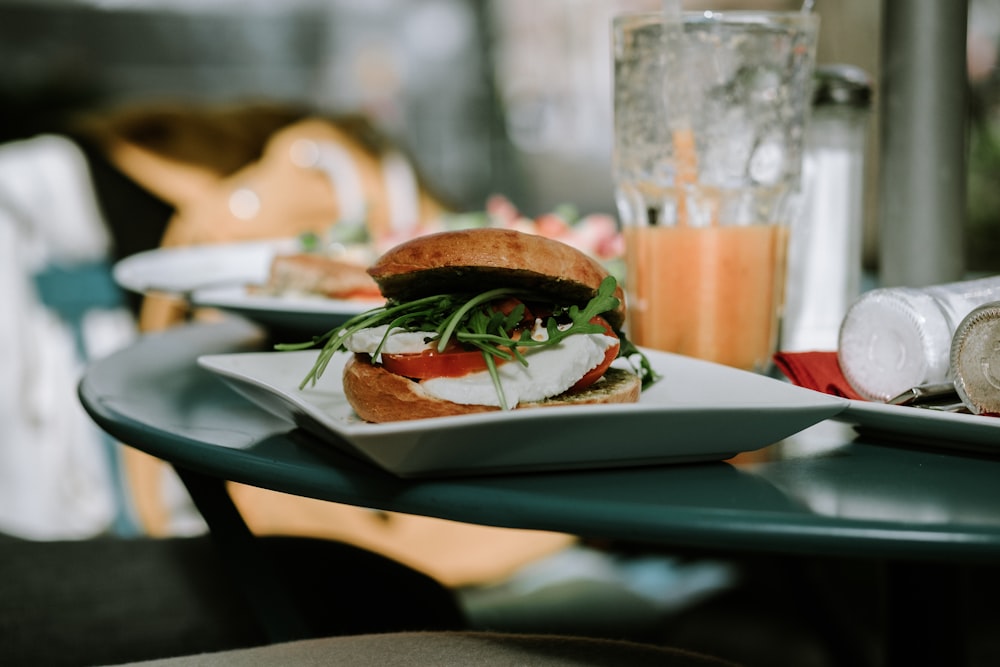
[482, 259]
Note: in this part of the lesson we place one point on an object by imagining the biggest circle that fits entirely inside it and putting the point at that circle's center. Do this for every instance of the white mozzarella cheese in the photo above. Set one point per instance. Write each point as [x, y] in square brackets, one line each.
[550, 371]
[400, 342]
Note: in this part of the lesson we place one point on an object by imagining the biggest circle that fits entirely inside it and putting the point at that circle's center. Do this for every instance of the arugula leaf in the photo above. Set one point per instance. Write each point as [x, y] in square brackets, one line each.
[471, 321]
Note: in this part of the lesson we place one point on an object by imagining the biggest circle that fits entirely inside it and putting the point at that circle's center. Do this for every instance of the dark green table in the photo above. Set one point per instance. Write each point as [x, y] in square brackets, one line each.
[823, 492]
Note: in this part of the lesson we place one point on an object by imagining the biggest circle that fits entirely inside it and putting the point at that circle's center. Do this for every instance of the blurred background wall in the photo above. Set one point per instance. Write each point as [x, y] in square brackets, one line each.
[508, 96]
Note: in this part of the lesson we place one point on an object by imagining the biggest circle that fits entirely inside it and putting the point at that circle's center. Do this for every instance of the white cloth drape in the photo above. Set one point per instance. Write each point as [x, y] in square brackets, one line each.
[54, 477]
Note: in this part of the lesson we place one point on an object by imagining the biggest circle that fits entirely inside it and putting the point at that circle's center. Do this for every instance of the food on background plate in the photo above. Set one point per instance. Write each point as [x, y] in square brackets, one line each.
[332, 266]
[485, 319]
[317, 274]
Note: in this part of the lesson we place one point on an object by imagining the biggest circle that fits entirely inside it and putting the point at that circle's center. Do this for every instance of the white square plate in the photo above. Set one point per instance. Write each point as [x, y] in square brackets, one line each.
[698, 411]
[922, 427]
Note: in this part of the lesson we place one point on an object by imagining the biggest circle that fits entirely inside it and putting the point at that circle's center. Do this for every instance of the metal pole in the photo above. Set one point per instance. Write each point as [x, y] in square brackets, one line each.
[922, 166]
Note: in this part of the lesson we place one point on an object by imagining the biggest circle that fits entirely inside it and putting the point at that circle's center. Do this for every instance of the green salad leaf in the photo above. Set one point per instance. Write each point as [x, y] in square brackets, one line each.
[471, 321]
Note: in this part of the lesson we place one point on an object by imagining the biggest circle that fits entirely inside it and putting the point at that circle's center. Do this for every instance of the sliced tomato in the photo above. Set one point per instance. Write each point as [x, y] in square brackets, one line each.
[456, 362]
[594, 374]
[451, 363]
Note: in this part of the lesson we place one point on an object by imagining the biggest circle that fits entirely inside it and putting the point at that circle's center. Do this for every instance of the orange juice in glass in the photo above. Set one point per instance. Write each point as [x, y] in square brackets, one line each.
[712, 293]
[709, 122]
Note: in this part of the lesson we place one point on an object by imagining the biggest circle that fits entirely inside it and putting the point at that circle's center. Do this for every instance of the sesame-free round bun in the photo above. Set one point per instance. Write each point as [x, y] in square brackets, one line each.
[380, 396]
[482, 259]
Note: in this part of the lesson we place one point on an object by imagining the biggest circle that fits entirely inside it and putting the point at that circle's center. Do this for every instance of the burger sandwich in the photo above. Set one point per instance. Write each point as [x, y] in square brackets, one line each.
[485, 319]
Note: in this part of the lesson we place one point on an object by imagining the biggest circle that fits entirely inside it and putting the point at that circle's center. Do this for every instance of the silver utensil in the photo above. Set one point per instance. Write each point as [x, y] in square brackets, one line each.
[939, 396]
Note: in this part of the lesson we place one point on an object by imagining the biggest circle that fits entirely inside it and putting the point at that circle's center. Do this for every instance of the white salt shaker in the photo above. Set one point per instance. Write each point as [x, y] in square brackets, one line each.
[824, 261]
[895, 338]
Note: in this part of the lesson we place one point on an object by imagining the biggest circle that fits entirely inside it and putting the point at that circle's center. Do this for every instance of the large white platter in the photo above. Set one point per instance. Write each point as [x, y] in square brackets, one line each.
[293, 315]
[218, 276]
[924, 427]
[186, 270]
[699, 411]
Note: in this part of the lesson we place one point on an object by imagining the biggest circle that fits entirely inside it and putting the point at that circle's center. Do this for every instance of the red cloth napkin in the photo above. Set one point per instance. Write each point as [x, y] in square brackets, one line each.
[815, 370]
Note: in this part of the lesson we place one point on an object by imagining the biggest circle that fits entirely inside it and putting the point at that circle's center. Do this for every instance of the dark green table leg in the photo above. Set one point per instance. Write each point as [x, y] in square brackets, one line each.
[253, 572]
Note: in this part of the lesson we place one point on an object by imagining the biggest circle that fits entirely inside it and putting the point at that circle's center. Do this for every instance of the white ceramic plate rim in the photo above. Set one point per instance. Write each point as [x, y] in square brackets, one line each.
[927, 426]
[185, 270]
[698, 411]
[237, 298]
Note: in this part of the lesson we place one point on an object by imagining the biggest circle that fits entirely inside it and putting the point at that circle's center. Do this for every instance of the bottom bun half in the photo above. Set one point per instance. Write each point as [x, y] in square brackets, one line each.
[380, 396]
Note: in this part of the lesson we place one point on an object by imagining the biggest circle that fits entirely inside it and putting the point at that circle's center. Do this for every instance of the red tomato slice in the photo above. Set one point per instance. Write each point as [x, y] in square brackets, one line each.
[456, 362]
[594, 374]
[433, 364]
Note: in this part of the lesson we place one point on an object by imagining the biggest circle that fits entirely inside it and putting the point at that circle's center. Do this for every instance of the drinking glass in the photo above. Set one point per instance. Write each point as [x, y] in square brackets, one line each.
[710, 110]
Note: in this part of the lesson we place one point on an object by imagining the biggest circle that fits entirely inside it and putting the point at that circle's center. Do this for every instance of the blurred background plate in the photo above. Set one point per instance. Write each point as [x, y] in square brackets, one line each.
[921, 427]
[186, 270]
[283, 315]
